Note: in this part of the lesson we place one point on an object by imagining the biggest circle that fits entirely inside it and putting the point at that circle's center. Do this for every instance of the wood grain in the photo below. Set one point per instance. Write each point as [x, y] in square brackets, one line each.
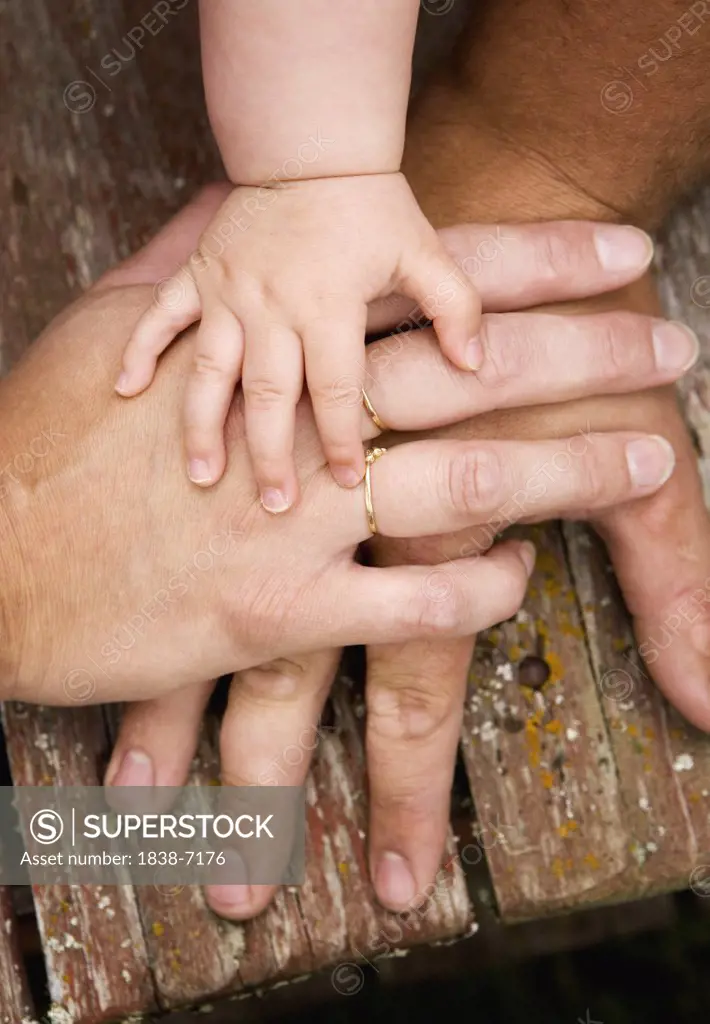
[15, 1000]
[598, 786]
[578, 800]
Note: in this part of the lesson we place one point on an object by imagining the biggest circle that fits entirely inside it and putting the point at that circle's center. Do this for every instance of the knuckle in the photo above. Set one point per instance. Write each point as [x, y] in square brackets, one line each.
[592, 479]
[207, 364]
[265, 394]
[432, 616]
[256, 619]
[407, 709]
[613, 338]
[274, 682]
[554, 257]
[336, 394]
[473, 480]
[508, 350]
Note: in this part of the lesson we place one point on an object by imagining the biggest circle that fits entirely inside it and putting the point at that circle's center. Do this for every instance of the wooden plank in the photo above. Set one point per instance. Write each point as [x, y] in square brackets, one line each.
[96, 958]
[81, 190]
[538, 756]
[16, 1005]
[662, 762]
[332, 917]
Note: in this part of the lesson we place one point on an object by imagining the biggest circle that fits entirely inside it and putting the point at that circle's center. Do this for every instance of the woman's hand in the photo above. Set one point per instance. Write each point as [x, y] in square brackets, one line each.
[120, 563]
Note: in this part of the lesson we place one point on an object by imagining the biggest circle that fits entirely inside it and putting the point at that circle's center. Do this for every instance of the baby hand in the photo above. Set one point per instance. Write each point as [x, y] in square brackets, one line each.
[282, 279]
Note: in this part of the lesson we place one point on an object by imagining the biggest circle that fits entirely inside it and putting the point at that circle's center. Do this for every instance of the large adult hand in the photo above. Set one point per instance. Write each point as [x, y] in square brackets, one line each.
[119, 574]
[274, 706]
[660, 546]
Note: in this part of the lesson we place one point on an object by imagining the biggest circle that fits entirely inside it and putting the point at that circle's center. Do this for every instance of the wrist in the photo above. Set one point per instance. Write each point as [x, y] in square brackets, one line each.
[310, 155]
[276, 184]
[464, 168]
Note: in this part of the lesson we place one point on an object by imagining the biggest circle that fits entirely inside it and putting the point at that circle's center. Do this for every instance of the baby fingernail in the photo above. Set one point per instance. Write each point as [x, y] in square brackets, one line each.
[274, 500]
[346, 476]
[676, 347]
[121, 384]
[650, 461]
[622, 248]
[199, 471]
[394, 880]
[474, 354]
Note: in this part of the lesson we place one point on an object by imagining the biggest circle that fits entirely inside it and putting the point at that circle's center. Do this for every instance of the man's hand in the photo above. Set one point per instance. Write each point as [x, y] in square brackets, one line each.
[554, 152]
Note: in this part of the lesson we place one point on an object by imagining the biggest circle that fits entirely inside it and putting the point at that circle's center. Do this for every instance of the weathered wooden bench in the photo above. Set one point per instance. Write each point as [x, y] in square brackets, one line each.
[588, 788]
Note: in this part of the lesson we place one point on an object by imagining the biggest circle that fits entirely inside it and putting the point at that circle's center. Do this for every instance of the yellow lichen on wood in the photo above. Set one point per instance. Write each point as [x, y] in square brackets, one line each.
[532, 737]
[556, 667]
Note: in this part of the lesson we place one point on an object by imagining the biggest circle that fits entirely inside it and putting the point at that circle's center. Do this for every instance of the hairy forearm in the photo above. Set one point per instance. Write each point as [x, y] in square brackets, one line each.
[309, 89]
[575, 100]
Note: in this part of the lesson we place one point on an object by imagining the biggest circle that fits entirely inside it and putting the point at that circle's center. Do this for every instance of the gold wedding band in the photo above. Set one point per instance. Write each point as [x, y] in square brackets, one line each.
[371, 456]
[370, 409]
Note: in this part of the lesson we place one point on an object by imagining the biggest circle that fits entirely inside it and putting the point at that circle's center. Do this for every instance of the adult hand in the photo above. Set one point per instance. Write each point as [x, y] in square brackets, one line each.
[461, 170]
[270, 706]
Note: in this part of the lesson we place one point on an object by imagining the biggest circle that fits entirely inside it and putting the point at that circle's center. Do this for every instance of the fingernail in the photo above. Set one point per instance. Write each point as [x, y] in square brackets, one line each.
[650, 461]
[199, 472]
[700, 638]
[474, 354]
[136, 769]
[528, 555]
[676, 347]
[621, 248]
[230, 898]
[274, 501]
[394, 881]
[122, 383]
[346, 476]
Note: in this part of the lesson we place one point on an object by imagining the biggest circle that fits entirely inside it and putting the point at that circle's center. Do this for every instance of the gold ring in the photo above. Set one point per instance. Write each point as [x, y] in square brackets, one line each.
[370, 409]
[371, 456]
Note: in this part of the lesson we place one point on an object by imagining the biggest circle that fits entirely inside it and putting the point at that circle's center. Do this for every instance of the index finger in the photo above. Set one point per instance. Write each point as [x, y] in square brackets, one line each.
[515, 266]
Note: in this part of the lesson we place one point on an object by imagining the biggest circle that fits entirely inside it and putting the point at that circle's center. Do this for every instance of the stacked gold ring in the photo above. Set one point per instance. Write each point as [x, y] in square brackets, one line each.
[371, 456]
[370, 409]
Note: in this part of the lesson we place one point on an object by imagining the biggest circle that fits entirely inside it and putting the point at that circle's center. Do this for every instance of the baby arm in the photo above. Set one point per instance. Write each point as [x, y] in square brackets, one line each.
[308, 102]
